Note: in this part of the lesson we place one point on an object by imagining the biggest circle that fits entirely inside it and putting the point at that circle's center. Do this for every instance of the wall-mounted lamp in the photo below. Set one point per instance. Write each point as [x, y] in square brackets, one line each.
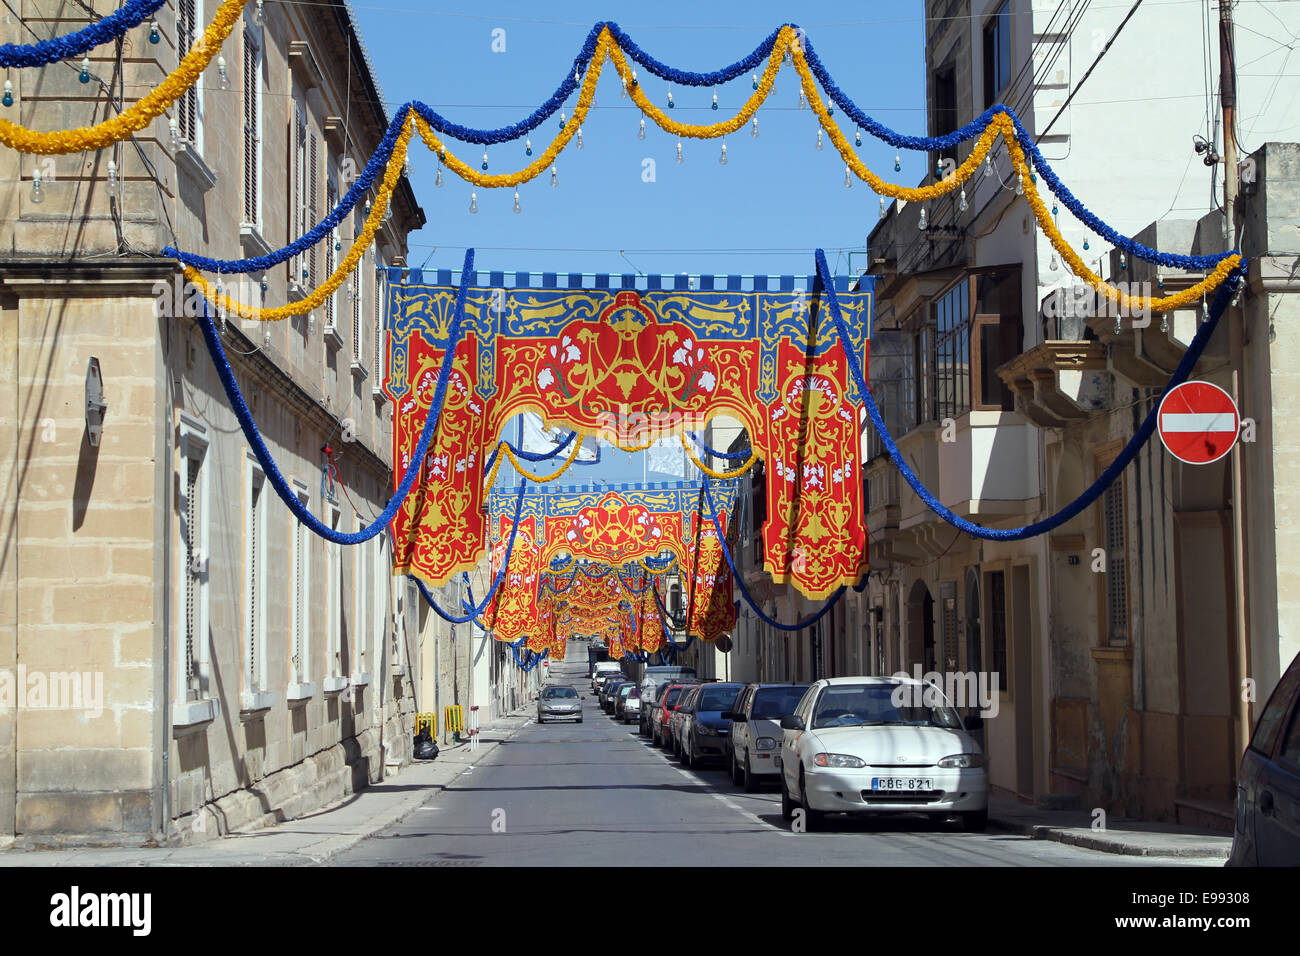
[95, 404]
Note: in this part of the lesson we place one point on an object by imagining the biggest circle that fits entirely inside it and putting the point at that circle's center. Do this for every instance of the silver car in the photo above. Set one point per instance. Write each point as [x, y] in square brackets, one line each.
[559, 702]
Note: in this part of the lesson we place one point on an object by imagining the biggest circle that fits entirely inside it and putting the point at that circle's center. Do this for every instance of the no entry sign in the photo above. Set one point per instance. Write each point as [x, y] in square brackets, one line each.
[1198, 422]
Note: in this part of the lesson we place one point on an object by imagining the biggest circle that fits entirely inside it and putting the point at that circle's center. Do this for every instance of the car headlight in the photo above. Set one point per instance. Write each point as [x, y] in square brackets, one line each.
[707, 730]
[838, 760]
[765, 743]
[962, 761]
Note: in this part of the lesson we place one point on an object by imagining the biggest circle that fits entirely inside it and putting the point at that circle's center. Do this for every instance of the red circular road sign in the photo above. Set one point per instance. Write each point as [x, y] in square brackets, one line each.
[1198, 422]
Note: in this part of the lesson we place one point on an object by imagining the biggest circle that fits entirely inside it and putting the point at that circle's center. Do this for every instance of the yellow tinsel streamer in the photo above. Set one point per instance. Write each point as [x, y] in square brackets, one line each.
[145, 110]
[720, 475]
[1134, 305]
[506, 452]
[350, 261]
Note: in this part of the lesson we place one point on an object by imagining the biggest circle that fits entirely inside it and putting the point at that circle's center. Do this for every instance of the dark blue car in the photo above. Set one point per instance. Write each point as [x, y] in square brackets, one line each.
[1267, 829]
[706, 731]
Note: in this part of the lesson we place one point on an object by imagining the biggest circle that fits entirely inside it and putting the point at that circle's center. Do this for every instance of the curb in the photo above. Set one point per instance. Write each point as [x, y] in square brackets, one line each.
[1106, 844]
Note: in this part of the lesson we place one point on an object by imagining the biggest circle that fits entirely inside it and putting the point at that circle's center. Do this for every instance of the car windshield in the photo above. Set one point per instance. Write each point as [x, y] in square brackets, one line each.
[552, 693]
[716, 698]
[624, 690]
[773, 703]
[673, 694]
[860, 705]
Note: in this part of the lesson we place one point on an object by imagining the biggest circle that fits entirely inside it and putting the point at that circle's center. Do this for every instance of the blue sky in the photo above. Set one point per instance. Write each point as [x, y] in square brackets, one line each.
[764, 212]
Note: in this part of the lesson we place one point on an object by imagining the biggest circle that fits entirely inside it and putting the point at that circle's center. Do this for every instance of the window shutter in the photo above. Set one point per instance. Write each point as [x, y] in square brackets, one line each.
[1116, 572]
[378, 344]
[187, 107]
[191, 577]
[251, 126]
[313, 190]
[331, 258]
[357, 292]
[253, 596]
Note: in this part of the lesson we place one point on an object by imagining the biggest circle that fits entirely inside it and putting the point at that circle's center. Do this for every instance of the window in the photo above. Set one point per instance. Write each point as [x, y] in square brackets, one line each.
[998, 331]
[300, 661]
[381, 298]
[997, 630]
[361, 580]
[300, 273]
[1270, 721]
[358, 295]
[997, 53]
[333, 604]
[189, 107]
[252, 116]
[255, 579]
[331, 252]
[1289, 753]
[1116, 576]
[951, 318]
[194, 661]
[943, 111]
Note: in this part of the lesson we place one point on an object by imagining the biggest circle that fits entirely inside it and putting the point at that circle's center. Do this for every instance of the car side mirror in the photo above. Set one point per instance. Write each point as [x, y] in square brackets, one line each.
[792, 722]
[736, 717]
[973, 720]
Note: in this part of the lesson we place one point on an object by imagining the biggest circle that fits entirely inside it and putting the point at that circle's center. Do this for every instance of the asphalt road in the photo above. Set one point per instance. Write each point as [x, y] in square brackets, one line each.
[596, 793]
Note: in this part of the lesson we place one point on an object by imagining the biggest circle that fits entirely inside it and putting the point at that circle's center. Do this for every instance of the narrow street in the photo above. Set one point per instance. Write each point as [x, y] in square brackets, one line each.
[596, 793]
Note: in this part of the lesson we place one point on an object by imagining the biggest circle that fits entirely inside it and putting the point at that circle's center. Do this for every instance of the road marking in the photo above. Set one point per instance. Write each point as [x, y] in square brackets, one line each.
[731, 804]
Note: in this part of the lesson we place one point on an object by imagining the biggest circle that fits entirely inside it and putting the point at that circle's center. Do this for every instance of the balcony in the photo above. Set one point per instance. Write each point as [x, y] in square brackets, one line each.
[1058, 382]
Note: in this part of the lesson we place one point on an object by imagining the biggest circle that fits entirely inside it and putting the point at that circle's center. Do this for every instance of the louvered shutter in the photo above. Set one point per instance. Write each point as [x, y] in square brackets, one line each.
[252, 126]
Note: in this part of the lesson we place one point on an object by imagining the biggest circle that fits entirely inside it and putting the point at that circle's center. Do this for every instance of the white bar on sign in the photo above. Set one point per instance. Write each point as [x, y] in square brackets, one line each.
[1198, 422]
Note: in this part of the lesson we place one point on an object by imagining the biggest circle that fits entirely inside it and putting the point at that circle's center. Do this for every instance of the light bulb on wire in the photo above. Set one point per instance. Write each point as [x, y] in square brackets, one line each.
[753, 127]
[37, 194]
[473, 202]
[640, 133]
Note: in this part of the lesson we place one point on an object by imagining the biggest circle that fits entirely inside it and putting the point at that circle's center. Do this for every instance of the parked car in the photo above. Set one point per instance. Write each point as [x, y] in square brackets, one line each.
[559, 702]
[609, 693]
[685, 707]
[604, 667]
[756, 730]
[629, 704]
[1267, 827]
[656, 676]
[705, 730]
[603, 678]
[880, 744]
[660, 727]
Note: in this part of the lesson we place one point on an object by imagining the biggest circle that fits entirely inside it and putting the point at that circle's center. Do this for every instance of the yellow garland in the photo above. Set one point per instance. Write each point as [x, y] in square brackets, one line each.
[140, 115]
[944, 186]
[350, 261]
[1134, 305]
[505, 451]
[720, 475]
[712, 131]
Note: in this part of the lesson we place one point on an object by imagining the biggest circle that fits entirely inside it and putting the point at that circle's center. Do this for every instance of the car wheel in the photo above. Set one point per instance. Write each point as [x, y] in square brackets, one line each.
[749, 781]
[579, 720]
[813, 819]
[733, 770]
[787, 805]
[976, 821]
[541, 719]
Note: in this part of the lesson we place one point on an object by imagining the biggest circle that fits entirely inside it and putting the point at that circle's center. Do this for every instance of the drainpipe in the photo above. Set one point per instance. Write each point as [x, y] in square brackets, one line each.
[1228, 97]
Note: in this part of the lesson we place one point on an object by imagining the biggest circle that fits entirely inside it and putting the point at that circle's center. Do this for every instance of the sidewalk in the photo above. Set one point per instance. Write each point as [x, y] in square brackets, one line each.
[1129, 837]
[312, 839]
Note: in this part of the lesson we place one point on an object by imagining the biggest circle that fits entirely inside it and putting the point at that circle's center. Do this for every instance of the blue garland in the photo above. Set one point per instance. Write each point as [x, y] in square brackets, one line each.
[684, 77]
[1094, 491]
[299, 510]
[378, 162]
[534, 456]
[740, 582]
[631, 590]
[972, 129]
[505, 134]
[130, 14]
[476, 609]
[728, 455]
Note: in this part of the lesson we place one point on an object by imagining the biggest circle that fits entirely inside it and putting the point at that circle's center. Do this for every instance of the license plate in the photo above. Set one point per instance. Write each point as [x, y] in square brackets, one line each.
[893, 784]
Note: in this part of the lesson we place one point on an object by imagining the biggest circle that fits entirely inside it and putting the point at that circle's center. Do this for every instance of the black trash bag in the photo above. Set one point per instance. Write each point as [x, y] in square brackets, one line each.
[424, 747]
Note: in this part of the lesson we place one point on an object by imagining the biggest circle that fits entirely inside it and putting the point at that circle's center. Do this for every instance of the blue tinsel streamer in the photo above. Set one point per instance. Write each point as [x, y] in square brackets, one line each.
[684, 77]
[1094, 491]
[299, 510]
[728, 455]
[130, 14]
[476, 609]
[740, 582]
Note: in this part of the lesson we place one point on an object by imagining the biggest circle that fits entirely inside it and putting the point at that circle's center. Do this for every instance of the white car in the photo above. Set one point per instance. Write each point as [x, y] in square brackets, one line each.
[880, 744]
[756, 731]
